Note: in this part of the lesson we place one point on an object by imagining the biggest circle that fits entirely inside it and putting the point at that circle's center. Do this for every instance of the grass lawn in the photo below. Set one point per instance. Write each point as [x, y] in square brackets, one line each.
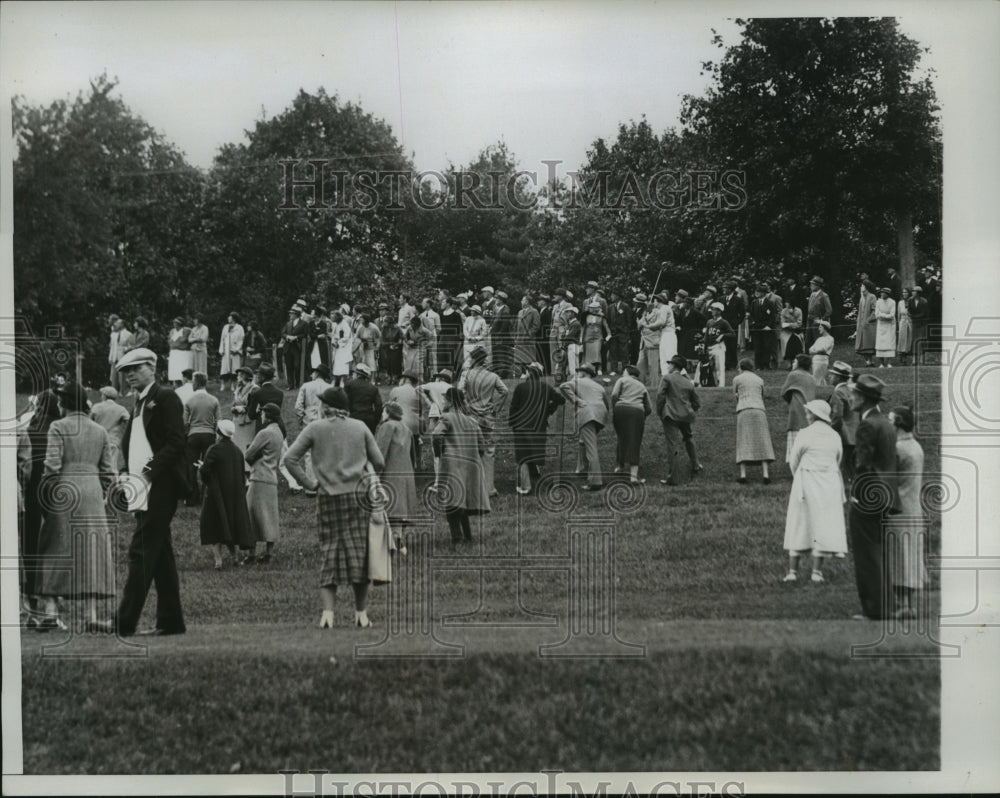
[738, 671]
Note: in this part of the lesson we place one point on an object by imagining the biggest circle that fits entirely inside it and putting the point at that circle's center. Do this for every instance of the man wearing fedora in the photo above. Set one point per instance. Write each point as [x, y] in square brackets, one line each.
[734, 313]
[153, 449]
[676, 405]
[842, 418]
[485, 394]
[292, 336]
[819, 307]
[873, 496]
[765, 315]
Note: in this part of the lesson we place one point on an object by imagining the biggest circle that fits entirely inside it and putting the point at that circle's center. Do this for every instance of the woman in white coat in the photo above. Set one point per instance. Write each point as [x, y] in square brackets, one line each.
[885, 328]
[815, 519]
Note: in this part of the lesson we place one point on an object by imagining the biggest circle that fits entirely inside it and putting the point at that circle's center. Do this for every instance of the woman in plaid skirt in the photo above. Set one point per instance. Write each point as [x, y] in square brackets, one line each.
[342, 449]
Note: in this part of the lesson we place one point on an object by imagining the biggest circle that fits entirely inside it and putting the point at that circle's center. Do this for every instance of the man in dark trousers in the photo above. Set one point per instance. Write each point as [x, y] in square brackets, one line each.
[153, 448]
[267, 392]
[873, 496]
[676, 405]
[764, 319]
[734, 313]
[364, 399]
[819, 307]
[621, 322]
[293, 336]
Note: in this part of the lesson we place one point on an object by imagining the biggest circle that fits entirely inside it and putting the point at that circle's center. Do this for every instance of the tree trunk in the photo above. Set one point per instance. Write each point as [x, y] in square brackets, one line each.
[904, 236]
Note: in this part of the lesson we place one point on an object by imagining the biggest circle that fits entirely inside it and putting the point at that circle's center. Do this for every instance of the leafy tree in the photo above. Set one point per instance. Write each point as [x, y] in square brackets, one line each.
[838, 136]
[105, 218]
[274, 241]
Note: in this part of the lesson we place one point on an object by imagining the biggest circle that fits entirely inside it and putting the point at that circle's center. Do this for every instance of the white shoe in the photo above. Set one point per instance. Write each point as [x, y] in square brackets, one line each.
[817, 577]
[326, 621]
[523, 491]
[791, 576]
[889, 366]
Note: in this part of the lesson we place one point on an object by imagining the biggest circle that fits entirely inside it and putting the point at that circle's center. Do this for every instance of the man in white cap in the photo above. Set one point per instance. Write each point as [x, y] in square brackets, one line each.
[153, 449]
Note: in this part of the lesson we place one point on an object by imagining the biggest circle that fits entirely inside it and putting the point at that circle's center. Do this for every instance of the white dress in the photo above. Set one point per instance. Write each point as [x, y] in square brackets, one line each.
[344, 341]
[908, 530]
[815, 519]
[668, 340]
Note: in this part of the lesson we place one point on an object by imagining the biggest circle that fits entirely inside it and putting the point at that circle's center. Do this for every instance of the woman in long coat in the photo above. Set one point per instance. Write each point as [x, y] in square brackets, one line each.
[864, 335]
[815, 518]
[526, 334]
[224, 517]
[885, 329]
[531, 404]
[753, 435]
[245, 425]
[450, 341]
[76, 562]
[799, 388]
[395, 442]
[230, 349]
[198, 338]
[391, 350]
[462, 480]
[263, 457]
[904, 334]
[909, 530]
[415, 409]
[595, 333]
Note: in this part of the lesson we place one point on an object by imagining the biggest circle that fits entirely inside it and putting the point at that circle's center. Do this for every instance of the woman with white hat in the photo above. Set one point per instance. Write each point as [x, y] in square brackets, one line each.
[815, 518]
[885, 327]
[821, 350]
[716, 331]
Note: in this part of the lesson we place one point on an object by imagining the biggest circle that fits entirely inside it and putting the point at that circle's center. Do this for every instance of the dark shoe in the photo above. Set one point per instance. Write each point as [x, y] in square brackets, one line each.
[158, 632]
[51, 622]
[696, 471]
[263, 558]
[742, 480]
[767, 480]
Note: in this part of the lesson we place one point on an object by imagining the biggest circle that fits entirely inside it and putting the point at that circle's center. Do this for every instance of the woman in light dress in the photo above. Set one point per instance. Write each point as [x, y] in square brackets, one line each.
[904, 332]
[179, 359]
[885, 328]
[753, 435]
[343, 341]
[815, 519]
[909, 530]
[668, 334]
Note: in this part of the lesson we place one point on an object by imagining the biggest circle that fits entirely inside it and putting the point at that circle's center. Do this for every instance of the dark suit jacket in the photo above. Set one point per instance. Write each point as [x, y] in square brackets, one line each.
[364, 401]
[620, 318]
[265, 394]
[735, 310]
[764, 312]
[875, 456]
[163, 418]
[819, 307]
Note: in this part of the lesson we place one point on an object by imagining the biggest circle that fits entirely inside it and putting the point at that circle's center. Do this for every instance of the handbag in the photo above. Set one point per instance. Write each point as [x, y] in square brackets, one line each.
[379, 545]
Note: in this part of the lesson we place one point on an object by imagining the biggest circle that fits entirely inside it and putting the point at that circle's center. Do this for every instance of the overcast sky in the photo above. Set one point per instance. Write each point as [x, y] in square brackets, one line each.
[450, 78]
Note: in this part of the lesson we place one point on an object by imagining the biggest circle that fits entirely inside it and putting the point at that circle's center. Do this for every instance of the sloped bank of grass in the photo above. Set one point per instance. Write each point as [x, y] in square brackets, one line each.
[740, 709]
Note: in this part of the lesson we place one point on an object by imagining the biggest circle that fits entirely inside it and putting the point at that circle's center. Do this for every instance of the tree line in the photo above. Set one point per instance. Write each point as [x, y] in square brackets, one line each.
[815, 150]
